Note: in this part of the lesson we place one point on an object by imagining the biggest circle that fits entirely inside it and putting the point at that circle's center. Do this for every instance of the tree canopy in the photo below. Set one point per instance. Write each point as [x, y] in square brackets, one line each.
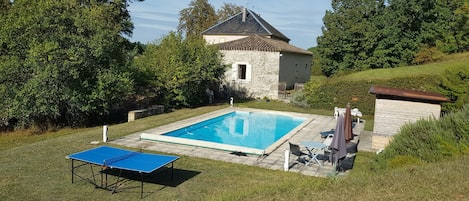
[178, 71]
[367, 34]
[228, 10]
[200, 15]
[63, 63]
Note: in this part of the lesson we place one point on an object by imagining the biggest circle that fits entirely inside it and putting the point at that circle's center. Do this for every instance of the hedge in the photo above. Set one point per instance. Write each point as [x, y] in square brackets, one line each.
[324, 93]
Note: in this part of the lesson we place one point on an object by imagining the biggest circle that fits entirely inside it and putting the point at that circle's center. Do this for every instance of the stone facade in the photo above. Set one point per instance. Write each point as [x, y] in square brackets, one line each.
[265, 70]
[262, 74]
[215, 39]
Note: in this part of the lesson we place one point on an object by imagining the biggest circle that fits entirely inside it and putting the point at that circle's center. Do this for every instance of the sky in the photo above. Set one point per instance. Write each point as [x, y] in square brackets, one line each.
[299, 20]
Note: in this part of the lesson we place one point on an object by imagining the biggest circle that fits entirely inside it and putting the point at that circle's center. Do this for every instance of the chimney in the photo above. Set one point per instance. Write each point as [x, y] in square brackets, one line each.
[244, 14]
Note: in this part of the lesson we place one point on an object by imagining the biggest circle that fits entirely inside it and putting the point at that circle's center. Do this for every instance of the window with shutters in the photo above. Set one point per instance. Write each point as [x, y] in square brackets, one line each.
[241, 71]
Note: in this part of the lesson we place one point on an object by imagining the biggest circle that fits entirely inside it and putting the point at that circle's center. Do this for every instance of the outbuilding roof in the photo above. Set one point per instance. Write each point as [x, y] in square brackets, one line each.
[259, 43]
[410, 94]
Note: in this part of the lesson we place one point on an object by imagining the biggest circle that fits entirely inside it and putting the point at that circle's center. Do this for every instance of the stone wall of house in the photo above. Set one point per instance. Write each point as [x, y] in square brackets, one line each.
[390, 115]
[295, 68]
[263, 78]
[215, 39]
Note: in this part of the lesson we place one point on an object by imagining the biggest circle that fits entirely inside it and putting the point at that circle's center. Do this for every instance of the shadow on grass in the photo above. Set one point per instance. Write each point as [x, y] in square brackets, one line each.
[124, 181]
[161, 177]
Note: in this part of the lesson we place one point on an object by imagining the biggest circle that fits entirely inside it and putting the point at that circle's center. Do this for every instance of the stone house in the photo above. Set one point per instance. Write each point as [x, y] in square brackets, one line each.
[396, 107]
[261, 61]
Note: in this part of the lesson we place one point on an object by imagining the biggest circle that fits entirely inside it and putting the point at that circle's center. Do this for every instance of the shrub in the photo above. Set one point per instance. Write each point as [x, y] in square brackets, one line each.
[427, 54]
[455, 86]
[299, 100]
[428, 140]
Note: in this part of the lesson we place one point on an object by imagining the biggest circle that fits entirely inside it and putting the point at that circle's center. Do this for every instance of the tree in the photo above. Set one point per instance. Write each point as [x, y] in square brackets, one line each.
[366, 34]
[180, 70]
[4, 6]
[462, 36]
[426, 28]
[63, 63]
[200, 15]
[228, 10]
[349, 36]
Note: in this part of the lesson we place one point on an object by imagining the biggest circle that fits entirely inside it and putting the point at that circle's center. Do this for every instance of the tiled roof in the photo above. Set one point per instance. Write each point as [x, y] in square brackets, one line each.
[260, 43]
[253, 24]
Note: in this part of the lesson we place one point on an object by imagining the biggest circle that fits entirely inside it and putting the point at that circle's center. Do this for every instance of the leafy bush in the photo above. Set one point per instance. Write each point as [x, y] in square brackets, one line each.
[60, 67]
[428, 140]
[427, 54]
[177, 71]
[299, 100]
[455, 86]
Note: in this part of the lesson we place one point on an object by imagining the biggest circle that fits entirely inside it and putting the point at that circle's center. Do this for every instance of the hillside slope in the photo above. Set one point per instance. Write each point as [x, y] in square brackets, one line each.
[437, 68]
[449, 77]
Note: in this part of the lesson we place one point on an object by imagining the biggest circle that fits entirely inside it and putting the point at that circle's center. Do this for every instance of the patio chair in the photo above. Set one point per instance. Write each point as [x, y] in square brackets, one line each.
[295, 150]
[282, 90]
[328, 140]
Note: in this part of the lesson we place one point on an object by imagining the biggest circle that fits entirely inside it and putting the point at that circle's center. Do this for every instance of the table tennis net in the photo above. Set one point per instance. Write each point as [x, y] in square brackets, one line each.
[110, 161]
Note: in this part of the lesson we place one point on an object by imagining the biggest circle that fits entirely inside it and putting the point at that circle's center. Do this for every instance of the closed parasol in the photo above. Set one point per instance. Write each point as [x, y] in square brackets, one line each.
[338, 148]
[348, 123]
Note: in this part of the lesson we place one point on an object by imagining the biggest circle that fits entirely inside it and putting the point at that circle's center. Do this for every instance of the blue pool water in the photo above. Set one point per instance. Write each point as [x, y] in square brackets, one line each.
[248, 129]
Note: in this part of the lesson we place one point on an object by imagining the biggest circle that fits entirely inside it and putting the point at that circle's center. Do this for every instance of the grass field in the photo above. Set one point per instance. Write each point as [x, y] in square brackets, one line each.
[35, 168]
[461, 59]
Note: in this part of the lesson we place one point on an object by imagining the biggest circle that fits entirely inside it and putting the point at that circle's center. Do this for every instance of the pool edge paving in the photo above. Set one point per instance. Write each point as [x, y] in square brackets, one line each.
[274, 160]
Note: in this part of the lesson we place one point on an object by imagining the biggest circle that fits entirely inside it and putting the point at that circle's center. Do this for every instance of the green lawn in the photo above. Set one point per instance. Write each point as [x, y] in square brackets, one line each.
[35, 168]
[461, 59]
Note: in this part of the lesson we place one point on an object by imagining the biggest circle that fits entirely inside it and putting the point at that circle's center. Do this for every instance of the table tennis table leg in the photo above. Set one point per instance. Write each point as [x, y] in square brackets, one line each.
[94, 178]
[172, 170]
[117, 182]
[141, 186]
[73, 168]
[102, 178]
[105, 181]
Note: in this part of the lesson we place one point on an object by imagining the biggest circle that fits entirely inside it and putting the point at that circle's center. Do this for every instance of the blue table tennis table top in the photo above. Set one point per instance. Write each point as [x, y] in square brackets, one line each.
[131, 160]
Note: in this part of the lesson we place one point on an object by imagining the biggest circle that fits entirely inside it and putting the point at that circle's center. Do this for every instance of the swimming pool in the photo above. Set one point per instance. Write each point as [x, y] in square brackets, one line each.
[255, 132]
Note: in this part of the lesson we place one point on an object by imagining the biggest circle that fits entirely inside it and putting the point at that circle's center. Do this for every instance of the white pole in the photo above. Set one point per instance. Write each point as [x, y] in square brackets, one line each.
[231, 102]
[287, 160]
[105, 133]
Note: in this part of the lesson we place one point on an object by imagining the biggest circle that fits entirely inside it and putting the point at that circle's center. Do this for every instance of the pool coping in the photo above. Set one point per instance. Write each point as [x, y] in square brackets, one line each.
[274, 161]
[155, 134]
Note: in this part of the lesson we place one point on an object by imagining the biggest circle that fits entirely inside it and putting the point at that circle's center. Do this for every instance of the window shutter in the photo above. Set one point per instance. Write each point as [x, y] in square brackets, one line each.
[234, 71]
[248, 72]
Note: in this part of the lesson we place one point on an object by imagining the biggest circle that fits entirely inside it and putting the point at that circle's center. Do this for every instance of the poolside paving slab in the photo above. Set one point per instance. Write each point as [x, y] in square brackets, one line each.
[274, 160]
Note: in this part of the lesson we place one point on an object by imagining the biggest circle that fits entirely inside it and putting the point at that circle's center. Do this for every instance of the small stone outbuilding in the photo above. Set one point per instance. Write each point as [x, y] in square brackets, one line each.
[396, 107]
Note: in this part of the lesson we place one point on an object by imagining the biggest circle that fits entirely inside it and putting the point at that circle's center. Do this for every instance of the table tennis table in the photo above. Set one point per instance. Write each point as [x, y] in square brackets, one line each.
[119, 159]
